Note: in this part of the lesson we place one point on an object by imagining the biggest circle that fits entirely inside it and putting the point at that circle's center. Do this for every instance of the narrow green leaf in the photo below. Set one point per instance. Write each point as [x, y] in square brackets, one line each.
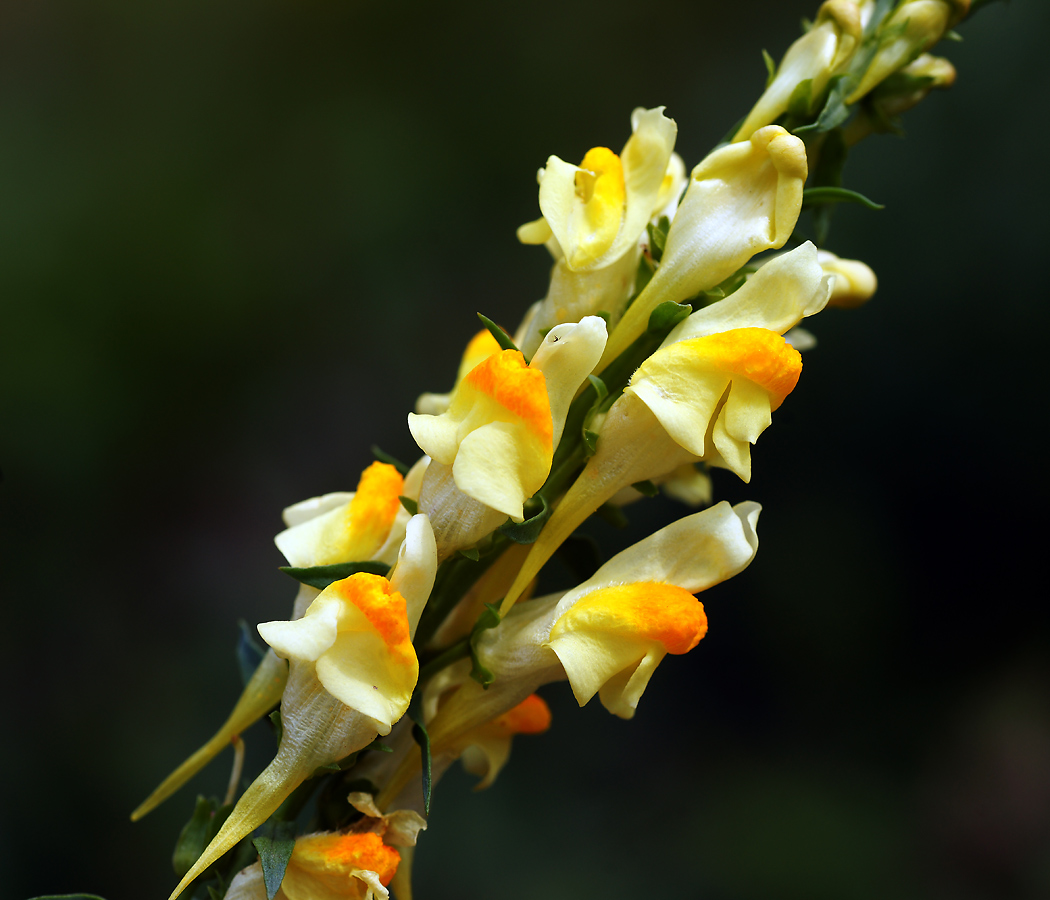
[322, 576]
[835, 111]
[590, 441]
[278, 725]
[275, 842]
[953, 36]
[502, 338]
[249, 652]
[646, 487]
[643, 276]
[193, 837]
[771, 67]
[818, 196]
[490, 618]
[381, 747]
[599, 387]
[411, 505]
[527, 531]
[420, 736]
[801, 100]
[389, 460]
[658, 237]
[667, 315]
[470, 553]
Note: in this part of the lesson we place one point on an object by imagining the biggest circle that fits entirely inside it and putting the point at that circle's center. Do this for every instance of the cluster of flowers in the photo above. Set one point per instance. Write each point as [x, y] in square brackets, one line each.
[661, 349]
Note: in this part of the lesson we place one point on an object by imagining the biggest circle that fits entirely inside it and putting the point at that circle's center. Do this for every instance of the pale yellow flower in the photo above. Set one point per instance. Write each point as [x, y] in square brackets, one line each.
[913, 27]
[742, 199]
[820, 53]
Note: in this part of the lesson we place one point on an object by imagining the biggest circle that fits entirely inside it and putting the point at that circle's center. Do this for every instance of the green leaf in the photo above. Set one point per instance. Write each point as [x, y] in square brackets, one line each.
[502, 338]
[643, 276]
[801, 100]
[470, 553]
[275, 843]
[322, 576]
[646, 487]
[667, 315]
[409, 504]
[389, 460]
[835, 110]
[420, 736]
[527, 531]
[278, 725]
[490, 618]
[590, 441]
[193, 837]
[658, 237]
[381, 747]
[771, 67]
[818, 196]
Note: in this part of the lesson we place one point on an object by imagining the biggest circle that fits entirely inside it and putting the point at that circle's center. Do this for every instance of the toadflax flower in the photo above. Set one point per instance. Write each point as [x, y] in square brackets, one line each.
[356, 865]
[742, 199]
[594, 217]
[367, 524]
[606, 636]
[351, 675]
[707, 393]
[820, 53]
[492, 449]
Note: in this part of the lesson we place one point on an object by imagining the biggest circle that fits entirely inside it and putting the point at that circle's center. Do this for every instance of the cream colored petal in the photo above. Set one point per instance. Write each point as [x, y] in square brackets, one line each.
[742, 199]
[414, 478]
[437, 436]
[306, 638]
[536, 232]
[497, 467]
[308, 541]
[590, 660]
[566, 357]
[248, 884]
[387, 553]
[458, 519]
[305, 510]
[729, 452]
[747, 413]
[682, 399]
[413, 576]
[485, 757]
[800, 338]
[621, 693]
[694, 553]
[778, 296]
[359, 671]
[852, 282]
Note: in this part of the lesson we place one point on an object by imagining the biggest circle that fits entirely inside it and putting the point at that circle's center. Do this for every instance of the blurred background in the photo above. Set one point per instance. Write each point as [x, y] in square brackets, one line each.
[236, 241]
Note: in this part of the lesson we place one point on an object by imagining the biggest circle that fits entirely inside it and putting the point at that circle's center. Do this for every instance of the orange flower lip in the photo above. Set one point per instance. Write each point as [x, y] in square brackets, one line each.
[758, 354]
[648, 610]
[522, 391]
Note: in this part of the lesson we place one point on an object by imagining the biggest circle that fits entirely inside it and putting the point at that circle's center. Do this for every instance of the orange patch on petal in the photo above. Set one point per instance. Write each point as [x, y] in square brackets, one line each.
[520, 390]
[531, 716]
[651, 610]
[384, 608]
[480, 348]
[339, 854]
[371, 513]
[758, 354]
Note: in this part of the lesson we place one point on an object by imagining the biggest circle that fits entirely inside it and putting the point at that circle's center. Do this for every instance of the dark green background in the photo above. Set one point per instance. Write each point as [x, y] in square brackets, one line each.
[237, 239]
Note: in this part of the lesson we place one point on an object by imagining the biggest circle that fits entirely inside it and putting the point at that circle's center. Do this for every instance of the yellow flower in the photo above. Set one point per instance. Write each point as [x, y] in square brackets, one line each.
[598, 210]
[492, 449]
[853, 283]
[913, 27]
[821, 52]
[707, 393]
[479, 348]
[742, 199]
[608, 634]
[327, 866]
[352, 672]
[368, 524]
